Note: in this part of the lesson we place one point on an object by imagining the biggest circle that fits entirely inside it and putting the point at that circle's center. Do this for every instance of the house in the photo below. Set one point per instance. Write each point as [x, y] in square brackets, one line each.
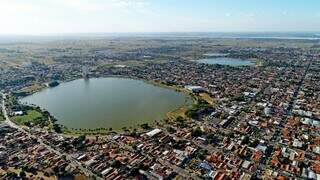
[246, 164]
[106, 171]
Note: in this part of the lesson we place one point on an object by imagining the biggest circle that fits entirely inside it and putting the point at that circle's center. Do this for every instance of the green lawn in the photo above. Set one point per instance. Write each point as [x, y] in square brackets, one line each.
[31, 116]
[1, 117]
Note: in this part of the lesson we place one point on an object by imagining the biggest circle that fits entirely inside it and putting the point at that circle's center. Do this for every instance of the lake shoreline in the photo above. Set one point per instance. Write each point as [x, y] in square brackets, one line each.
[96, 131]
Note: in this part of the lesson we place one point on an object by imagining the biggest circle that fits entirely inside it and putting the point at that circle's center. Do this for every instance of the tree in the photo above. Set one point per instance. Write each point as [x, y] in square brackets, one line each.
[196, 132]
[134, 171]
[284, 160]
[245, 140]
[212, 139]
[179, 144]
[230, 135]
[116, 164]
[82, 138]
[12, 175]
[57, 128]
[46, 174]
[145, 126]
[22, 174]
[171, 129]
[201, 154]
[192, 113]
[179, 119]
[254, 143]
[134, 133]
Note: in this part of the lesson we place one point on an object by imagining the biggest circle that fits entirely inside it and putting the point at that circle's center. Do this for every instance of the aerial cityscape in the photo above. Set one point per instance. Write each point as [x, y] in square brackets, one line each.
[100, 102]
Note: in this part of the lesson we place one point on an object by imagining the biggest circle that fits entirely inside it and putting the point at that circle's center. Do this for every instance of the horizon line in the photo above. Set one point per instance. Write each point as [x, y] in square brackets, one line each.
[149, 32]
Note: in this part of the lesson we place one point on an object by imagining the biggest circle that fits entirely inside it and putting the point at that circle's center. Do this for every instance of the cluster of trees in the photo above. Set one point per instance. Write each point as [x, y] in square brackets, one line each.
[212, 139]
[247, 141]
[239, 98]
[171, 129]
[134, 133]
[197, 132]
[61, 172]
[145, 126]
[1, 117]
[202, 107]
[181, 122]
[201, 153]
[57, 128]
[79, 142]
[180, 144]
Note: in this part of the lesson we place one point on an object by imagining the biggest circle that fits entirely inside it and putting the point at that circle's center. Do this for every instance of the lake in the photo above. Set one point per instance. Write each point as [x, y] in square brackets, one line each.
[226, 61]
[107, 102]
[215, 54]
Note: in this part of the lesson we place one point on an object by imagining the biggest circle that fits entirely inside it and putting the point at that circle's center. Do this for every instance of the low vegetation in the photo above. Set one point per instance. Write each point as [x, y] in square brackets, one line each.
[1, 115]
[31, 116]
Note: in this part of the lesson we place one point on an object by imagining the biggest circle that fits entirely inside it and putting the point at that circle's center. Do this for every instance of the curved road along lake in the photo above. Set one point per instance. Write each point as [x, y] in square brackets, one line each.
[107, 102]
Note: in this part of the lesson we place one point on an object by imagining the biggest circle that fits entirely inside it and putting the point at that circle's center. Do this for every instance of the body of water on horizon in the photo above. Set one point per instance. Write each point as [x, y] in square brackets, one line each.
[226, 61]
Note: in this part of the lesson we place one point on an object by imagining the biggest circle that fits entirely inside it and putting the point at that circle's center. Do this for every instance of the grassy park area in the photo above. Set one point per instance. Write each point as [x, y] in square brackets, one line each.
[31, 116]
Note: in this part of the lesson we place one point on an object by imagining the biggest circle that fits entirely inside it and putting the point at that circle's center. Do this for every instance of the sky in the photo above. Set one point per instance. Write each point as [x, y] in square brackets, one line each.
[32, 17]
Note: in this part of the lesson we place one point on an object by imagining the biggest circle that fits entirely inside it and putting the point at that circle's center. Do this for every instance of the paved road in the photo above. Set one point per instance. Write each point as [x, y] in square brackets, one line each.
[182, 172]
[50, 148]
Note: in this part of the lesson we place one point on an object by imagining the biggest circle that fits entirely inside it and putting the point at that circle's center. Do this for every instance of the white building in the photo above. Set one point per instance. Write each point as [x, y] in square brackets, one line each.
[154, 132]
[18, 113]
[195, 89]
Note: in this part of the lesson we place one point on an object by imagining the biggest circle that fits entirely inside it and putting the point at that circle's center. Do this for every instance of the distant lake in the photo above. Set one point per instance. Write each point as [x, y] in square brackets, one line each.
[107, 102]
[226, 61]
[215, 54]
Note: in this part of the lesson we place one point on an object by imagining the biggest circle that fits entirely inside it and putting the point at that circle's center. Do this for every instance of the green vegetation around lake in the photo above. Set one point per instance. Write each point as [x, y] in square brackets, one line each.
[31, 116]
[202, 107]
[1, 116]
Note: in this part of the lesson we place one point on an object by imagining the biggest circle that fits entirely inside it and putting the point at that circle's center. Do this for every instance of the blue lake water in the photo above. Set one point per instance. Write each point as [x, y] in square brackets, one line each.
[226, 61]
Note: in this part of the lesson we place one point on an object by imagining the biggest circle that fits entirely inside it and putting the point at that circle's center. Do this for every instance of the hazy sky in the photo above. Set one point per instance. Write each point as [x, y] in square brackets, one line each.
[81, 16]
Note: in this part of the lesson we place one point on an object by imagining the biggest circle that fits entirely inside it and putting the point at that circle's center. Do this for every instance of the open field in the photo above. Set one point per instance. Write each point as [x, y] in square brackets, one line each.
[32, 116]
[32, 88]
[207, 97]
[128, 49]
